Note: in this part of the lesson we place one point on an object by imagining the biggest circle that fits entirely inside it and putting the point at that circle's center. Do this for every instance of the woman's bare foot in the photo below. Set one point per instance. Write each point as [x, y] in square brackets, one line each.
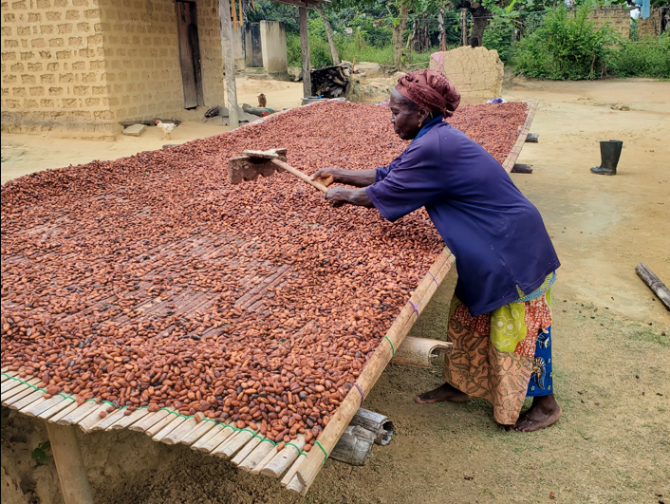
[544, 412]
[443, 393]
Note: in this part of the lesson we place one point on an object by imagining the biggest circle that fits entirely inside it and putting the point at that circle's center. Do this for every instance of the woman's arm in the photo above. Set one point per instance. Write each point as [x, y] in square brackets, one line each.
[339, 196]
[362, 178]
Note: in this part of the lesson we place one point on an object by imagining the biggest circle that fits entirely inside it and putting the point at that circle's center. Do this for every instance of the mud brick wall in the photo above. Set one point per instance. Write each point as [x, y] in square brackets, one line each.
[141, 63]
[78, 67]
[650, 27]
[51, 55]
[616, 16]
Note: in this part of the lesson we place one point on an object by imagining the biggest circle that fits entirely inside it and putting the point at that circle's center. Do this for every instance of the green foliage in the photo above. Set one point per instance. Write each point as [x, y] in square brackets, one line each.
[40, 455]
[649, 57]
[566, 48]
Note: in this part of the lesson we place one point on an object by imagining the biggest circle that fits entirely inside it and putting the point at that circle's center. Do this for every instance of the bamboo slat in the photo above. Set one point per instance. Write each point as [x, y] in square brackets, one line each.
[64, 406]
[197, 432]
[8, 383]
[285, 458]
[290, 474]
[41, 406]
[93, 418]
[79, 413]
[24, 398]
[230, 447]
[148, 421]
[164, 427]
[22, 390]
[178, 433]
[58, 415]
[128, 421]
[514, 153]
[201, 443]
[257, 455]
[295, 484]
[265, 460]
[216, 440]
[107, 422]
[246, 450]
[375, 366]
[6, 375]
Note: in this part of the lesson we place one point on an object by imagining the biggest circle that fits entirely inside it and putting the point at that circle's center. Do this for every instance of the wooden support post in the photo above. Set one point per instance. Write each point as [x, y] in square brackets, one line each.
[69, 464]
[229, 60]
[532, 137]
[304, 49]
[522, 168]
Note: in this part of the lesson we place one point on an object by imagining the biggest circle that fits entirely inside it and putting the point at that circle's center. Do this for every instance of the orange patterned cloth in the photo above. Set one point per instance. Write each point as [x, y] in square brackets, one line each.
[477, 368]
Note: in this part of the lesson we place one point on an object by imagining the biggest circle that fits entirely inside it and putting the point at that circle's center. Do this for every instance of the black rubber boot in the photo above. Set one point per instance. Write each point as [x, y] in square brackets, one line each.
[610, 152]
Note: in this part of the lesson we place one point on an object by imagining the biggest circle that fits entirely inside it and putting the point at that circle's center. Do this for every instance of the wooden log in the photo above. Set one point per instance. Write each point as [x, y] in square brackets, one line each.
[283, 460]
[420, 352]
[522, 168]
[149, 421]
[355, 446]
[304, 51]
[197, 432]
[229, 62]
[376, 423]
[654, 283]
[374, 367]
[69, 464]
[290, 474]
[259, 453]
[532, 137]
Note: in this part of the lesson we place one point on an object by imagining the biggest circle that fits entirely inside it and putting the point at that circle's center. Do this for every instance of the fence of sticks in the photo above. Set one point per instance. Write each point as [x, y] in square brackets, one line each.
[232, 350]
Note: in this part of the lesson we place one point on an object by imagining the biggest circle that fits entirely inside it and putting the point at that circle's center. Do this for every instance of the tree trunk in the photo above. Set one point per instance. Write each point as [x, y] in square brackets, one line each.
[426, 34]
[305, 56]
[464, 28]
[229, 62]
[443, 32]
[397, 36]
[480, 19]
[329, 35]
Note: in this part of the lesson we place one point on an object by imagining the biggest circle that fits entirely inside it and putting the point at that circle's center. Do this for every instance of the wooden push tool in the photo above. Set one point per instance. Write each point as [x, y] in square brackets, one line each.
[254, 163]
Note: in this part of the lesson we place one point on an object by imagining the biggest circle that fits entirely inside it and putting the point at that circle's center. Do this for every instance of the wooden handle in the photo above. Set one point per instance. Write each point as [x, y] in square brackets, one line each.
[373, 369]
[300, 175]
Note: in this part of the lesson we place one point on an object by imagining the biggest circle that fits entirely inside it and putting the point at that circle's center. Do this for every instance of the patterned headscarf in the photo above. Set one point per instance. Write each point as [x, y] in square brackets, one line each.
[430, 90]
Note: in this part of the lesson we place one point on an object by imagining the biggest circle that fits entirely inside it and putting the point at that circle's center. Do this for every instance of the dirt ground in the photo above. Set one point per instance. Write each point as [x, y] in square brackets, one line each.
[611, 346]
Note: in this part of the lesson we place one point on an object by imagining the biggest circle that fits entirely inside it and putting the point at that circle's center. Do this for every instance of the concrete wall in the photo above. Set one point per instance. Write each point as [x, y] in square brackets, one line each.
[78, 67]
[273, 47]
[616, 16]
[476, 72]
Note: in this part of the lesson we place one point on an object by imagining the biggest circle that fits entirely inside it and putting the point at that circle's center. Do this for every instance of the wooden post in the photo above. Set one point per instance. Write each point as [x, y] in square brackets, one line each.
[229, 60]
[464, 28]
[304, 49]
[69, 464]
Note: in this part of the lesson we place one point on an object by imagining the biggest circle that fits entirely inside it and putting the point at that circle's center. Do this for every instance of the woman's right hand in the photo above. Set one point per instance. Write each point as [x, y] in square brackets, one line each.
[325, 176]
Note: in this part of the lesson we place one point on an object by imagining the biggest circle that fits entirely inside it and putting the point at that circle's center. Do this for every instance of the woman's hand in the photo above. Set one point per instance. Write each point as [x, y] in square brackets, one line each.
[326, 176]
[338, 196]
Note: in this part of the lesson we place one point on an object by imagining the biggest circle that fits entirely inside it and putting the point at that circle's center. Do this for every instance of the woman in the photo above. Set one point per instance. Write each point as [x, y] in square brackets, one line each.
[500, 317]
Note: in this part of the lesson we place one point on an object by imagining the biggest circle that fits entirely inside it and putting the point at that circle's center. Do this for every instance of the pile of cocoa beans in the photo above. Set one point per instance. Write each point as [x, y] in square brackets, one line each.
[150, 282]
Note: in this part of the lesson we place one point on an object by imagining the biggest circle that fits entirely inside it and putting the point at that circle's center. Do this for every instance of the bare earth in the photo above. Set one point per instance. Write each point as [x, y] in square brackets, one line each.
[611, 347]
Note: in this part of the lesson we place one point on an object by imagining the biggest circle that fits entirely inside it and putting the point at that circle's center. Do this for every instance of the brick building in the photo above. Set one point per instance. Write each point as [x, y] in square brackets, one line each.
[82, 66]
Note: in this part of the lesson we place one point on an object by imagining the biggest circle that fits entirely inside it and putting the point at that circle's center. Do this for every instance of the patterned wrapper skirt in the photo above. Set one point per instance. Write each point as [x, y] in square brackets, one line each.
[505, 355]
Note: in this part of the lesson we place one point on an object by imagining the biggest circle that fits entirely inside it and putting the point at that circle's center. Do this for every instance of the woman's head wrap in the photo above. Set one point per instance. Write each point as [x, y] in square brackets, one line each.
[430, 90]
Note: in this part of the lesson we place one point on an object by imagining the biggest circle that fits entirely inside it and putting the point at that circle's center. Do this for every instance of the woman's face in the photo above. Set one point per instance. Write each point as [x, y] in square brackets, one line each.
[407, 118]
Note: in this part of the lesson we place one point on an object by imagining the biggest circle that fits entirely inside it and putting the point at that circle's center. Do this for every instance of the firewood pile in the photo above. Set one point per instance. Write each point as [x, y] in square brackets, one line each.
[332, 81]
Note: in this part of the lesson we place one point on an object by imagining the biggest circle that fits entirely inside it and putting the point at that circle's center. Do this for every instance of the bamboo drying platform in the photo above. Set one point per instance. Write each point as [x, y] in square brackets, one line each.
[245, 447]
[511, 158]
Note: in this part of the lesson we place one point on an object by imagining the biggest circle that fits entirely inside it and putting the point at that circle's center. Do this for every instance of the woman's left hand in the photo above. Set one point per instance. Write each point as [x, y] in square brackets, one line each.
[338, 196]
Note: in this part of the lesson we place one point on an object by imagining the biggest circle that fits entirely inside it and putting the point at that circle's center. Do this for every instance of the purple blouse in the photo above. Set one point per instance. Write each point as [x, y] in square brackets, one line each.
[496, 234]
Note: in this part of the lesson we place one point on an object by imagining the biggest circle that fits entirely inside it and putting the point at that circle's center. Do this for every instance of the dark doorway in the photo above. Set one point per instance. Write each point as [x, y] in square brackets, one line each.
[189, 54]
